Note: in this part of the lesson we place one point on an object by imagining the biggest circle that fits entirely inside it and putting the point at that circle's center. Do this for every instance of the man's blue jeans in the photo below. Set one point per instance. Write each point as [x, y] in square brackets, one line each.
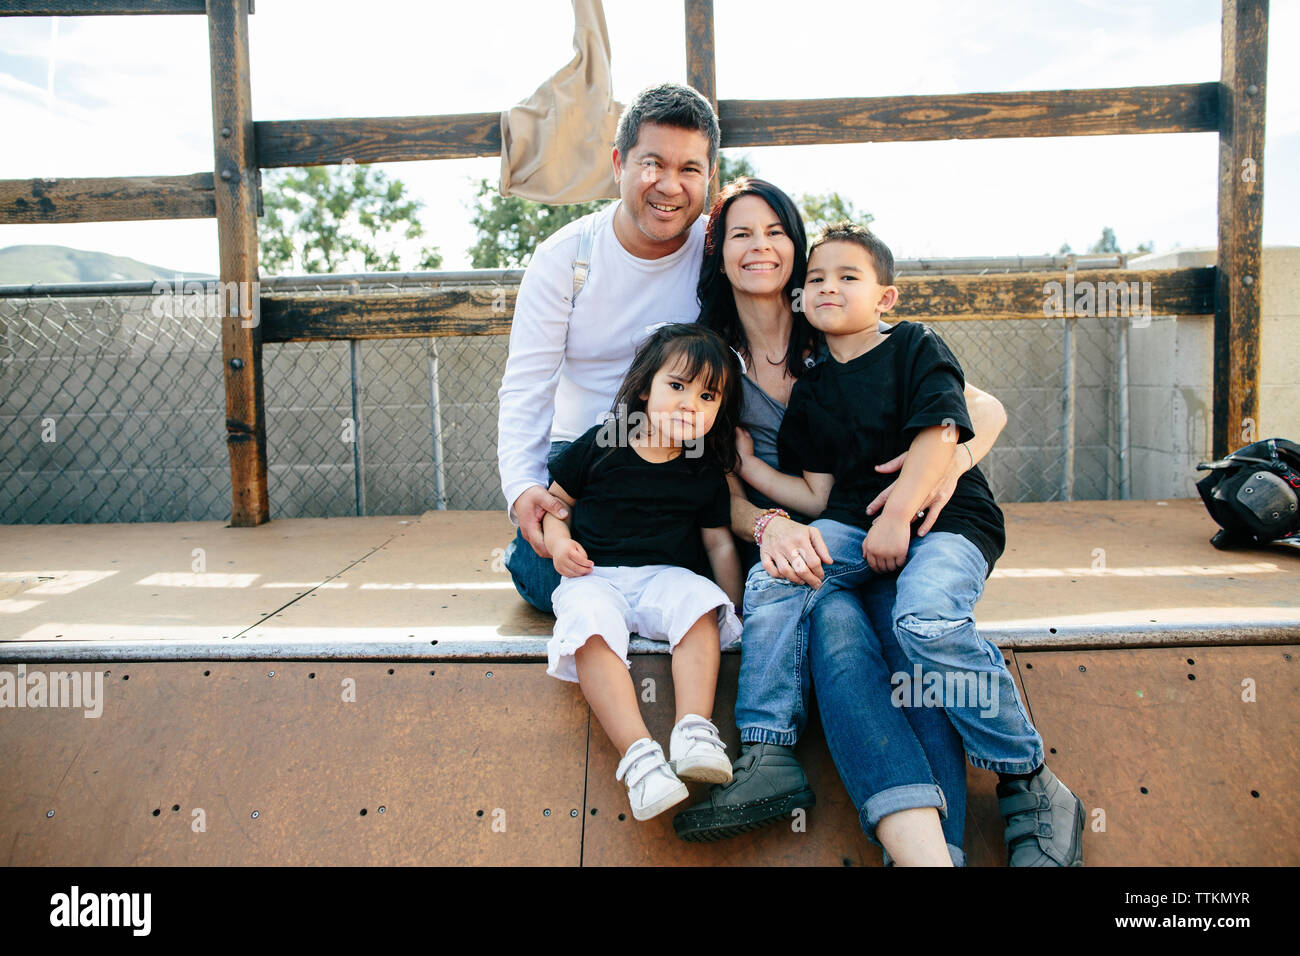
[535, 577]
[933, 623]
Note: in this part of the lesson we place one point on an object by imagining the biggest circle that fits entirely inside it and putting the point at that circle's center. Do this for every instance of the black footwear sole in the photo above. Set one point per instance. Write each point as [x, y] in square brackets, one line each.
[707, 826]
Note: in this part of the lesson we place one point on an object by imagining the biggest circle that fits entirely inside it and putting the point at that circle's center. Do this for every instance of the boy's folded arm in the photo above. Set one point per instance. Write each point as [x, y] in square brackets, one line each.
[928, 457]
[807, 493]
[724, 559]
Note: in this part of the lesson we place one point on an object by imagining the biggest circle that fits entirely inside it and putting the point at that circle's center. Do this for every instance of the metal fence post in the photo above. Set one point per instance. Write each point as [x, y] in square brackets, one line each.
[435, 423]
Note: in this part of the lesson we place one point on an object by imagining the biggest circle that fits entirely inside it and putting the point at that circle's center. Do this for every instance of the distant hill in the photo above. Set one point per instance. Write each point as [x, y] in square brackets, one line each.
[20, 265]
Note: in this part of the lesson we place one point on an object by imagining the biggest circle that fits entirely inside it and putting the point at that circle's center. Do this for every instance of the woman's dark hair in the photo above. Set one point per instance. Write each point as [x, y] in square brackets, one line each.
[716, 298]
[699, 351]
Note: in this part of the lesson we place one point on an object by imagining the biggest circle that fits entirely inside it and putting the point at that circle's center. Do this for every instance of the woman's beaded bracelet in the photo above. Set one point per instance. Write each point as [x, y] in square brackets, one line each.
[762, 521]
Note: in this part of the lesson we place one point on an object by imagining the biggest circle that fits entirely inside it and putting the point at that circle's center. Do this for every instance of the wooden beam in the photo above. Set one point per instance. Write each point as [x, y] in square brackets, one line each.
[1105, 293]
[385, 139]
[487, 311]
[1241, 223]
[107, 200]
[1148, 109]
[380, 315]
[1189, 108]
[88, 8]
[236, 194]
[701, 68]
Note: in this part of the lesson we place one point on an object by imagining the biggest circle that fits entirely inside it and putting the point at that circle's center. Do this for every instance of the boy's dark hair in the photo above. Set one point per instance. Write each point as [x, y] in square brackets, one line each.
[669, 104]
[701, 351]
[846, 231]
[714, 293]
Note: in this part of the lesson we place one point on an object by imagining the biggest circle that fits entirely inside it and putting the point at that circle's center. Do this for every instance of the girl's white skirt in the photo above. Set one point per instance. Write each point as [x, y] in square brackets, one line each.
[657, 601]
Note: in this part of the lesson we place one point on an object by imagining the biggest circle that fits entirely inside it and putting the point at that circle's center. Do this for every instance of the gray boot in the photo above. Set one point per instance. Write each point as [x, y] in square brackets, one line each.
[1044, 822]
[767, 784]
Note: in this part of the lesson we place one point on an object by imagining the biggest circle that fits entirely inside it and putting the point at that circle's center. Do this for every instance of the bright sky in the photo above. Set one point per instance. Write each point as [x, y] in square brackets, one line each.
[121, 96]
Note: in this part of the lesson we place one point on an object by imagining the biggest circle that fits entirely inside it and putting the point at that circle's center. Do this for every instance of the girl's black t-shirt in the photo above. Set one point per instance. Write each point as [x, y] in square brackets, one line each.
[845, 418]
[630, 512]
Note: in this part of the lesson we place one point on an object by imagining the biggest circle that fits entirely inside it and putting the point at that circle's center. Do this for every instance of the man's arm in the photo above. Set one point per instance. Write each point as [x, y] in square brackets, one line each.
[526, 398]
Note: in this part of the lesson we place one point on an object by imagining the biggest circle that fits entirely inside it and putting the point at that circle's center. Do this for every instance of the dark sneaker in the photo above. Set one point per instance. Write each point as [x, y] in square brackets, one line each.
[1044, 822]
[767, 784]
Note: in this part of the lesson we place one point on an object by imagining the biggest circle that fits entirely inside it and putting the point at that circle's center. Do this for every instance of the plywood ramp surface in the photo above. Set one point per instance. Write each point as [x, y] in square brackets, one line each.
[498, 764]
[439, 577]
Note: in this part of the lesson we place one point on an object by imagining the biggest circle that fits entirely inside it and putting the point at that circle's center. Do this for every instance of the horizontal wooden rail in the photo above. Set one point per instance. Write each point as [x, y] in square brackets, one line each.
[1188, 108]
[102, 200]
[95, 8]
[379, 315]
[384, 139]
[1103, 292]
[486, 311]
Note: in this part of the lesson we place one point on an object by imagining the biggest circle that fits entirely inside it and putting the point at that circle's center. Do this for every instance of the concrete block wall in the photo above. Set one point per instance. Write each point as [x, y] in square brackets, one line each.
[1171, 384]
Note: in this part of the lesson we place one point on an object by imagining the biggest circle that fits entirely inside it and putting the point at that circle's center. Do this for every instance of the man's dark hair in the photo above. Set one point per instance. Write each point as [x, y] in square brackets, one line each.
[845, 231]
[669, 104]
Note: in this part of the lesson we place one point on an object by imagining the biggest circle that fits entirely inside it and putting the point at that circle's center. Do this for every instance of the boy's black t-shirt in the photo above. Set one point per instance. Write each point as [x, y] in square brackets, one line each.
[845, 418]
[631, 512]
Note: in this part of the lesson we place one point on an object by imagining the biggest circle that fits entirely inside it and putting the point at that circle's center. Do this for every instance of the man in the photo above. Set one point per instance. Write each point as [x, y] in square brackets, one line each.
[568, 358]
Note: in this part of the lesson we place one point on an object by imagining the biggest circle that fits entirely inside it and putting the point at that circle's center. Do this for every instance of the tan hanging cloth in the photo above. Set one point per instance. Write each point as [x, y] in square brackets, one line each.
[555, 146]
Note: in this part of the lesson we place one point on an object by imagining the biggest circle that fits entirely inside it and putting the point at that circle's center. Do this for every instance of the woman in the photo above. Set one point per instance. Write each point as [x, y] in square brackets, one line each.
[903, 767]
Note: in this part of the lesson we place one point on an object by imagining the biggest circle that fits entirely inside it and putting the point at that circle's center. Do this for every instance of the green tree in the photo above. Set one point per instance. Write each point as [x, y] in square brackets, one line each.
[510, 227]
[1106, 243]
[823, 209]
[338, 219]
[729, 169]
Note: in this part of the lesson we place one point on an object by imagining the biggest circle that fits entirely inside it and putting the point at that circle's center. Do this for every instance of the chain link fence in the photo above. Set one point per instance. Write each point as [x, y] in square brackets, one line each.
[112, 408]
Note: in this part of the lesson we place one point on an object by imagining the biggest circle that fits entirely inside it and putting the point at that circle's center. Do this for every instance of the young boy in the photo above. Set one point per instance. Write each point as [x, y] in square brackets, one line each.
[881, 392]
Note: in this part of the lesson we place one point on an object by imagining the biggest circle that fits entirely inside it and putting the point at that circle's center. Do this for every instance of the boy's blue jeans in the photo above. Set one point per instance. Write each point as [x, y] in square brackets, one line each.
[889, 758]
[933, 623]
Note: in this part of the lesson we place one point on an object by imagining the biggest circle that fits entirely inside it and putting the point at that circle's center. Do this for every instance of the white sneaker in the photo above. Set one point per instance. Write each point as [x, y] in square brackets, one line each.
[651, 786]
[697, 751]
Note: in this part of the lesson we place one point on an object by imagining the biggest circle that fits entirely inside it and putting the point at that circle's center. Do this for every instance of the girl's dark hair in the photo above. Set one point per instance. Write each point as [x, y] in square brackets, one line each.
[700, 351]
[716, 298]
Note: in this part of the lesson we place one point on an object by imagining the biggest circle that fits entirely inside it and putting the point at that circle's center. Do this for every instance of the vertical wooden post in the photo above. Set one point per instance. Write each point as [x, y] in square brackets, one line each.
[235, 178]
[701, 70]
[1237, 291]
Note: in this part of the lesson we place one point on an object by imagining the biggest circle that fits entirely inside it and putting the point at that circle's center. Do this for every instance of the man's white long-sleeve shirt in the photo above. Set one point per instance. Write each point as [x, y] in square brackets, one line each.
[566, 364]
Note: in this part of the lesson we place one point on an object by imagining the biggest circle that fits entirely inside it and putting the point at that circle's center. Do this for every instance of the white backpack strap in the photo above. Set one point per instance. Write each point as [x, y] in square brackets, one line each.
[582, 263]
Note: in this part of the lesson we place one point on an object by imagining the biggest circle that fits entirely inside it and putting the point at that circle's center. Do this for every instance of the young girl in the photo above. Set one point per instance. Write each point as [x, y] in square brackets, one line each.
[647, 499]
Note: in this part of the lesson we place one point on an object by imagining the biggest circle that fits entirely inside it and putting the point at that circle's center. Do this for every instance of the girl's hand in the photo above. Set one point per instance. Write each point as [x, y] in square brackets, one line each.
[939, 496]
[885, 547]
[571, 560]
[794, 551]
